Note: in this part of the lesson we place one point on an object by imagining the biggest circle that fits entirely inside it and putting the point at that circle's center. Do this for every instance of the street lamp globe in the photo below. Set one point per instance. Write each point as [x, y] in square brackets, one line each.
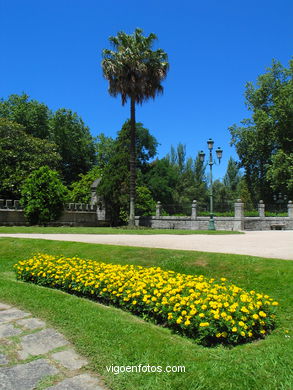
[210, 143]
[201, 155]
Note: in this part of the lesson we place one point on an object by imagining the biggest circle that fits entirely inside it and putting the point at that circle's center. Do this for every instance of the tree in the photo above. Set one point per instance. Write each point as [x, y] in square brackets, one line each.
[162, 179]
[145, 204]
[43, 196]
[135, 72]
[280, 173]
[232, 178]
[31, 114]
[81, 189]
[114, 186]
[20, 155]
[104, 149]
[269, 132]
[75, 144]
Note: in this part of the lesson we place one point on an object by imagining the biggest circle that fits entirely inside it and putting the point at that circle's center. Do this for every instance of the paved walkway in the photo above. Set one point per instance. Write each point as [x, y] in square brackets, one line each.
[272, 244]
[33, 356]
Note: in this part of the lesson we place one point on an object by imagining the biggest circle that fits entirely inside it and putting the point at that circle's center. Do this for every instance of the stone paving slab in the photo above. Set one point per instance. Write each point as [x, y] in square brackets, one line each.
[12, 314]
[25, 376]
[31, 323]
[69, 359]
[40, 343]
[80, 382]
[8, 330]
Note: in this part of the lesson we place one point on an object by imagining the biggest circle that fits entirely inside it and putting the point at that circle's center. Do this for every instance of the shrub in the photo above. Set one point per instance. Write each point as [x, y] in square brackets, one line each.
[209, 311]
[81, 190]
[43, 196]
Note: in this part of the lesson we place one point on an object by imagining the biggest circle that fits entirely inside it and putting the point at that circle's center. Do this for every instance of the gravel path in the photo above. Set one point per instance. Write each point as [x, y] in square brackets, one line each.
[272, 244]
[33, 356]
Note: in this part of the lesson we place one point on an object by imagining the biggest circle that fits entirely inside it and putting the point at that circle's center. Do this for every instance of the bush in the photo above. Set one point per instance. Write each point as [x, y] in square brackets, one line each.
[209, 311]
[145, 204]
[81, 190]
[43, 196]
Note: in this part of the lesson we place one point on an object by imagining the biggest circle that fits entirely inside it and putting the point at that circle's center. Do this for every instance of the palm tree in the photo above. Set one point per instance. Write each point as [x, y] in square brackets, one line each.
[134, 71]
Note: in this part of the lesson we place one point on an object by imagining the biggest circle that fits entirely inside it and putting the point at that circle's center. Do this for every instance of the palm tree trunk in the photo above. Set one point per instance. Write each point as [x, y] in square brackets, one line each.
[132, 163]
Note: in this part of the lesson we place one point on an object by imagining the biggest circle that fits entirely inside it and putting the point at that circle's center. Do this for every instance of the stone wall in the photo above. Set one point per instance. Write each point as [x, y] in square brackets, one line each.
[74, 214]
[185, 223]
[238, 222]
[79, 214]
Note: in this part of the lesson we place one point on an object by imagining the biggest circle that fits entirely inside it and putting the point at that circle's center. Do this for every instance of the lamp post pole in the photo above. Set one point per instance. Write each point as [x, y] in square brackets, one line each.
[219, 153]
[211, 163]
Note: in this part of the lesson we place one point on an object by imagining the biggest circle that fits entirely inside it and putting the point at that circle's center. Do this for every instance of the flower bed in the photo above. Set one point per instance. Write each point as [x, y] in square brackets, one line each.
[204, 309]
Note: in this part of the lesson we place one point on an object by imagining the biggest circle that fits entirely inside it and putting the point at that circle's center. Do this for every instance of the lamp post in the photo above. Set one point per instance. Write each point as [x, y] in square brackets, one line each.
[219, 153]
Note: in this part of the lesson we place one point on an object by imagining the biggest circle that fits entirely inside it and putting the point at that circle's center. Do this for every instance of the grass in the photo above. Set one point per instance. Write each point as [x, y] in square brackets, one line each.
[108, 336]
[105, 230]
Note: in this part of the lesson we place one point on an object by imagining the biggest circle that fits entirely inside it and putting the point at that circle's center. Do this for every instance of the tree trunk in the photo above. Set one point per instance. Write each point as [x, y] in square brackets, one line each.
[132, 163]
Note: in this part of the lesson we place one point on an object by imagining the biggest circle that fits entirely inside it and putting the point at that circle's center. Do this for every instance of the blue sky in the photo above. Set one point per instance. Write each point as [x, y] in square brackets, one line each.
[52, 51]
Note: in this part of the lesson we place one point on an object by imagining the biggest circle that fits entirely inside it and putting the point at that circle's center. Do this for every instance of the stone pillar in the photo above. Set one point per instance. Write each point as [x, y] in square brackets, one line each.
[261, 209]
[290, 209]
[9, 204]
[238, 215]
[193, 210]
[101, 209]
[158, 209]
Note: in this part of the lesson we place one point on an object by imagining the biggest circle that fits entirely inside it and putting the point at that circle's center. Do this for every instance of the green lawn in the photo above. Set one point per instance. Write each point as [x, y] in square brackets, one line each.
[105, 230]
[108, 336]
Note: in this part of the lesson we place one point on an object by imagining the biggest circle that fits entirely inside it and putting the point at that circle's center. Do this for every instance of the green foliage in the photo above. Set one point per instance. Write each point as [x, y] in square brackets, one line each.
[43, 196]
[245, 195]
[133, 68]
[161, 180]
[81, 189]
[114, 186]
[21, 154]
[104, 148]
[64, 128]
[31, 114]
[232, 176]
[176, 181]
[75, 143]
[280, 173]
[222, 197]
[264, 139]
[145, 204]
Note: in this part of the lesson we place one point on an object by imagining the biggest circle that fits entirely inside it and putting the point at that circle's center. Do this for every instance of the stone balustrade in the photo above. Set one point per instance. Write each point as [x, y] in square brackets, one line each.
[81, 214]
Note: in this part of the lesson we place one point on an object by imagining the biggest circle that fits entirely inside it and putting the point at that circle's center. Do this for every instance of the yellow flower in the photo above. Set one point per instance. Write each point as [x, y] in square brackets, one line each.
[203, 324]
[262, 314]
[234, 329]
